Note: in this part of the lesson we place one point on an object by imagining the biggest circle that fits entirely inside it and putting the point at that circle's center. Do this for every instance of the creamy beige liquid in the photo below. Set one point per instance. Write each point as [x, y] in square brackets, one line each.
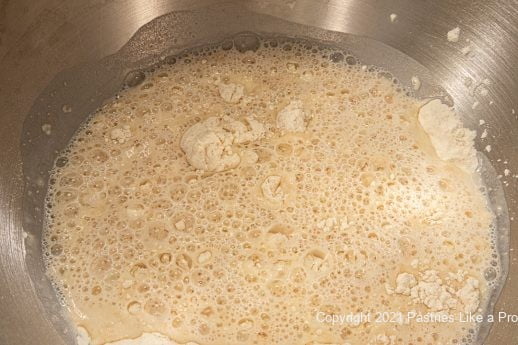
[140, 241]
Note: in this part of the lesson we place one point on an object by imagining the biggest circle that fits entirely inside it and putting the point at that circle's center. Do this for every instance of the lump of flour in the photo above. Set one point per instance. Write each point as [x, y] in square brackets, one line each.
[208, 144]
[292, 118]
[404, 283]
[454, 34]
[469, 295]
[451, 141]
[431, 291]
[436, 294]
[231, 93]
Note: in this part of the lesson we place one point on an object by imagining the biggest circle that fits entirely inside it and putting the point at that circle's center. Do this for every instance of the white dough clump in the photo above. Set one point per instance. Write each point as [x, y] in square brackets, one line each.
[431, 291]
[292, 118]
[231, 93]
[404, 283]
[453, 34]
[208, 144]
[451, 141]
[469, 295]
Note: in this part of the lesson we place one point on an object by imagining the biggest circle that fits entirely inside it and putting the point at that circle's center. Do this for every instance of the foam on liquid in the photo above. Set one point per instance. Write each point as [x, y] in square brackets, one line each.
[138, 241]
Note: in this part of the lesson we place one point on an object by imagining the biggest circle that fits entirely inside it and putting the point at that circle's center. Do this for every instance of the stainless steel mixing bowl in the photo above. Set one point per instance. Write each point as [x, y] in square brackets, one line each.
[62, 59]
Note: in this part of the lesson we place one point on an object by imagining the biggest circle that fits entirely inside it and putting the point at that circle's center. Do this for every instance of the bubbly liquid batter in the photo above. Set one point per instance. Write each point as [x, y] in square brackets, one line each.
[353, 213]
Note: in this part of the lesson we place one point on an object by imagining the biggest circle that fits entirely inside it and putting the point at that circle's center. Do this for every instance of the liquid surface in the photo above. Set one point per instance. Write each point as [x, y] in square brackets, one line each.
[327, 200]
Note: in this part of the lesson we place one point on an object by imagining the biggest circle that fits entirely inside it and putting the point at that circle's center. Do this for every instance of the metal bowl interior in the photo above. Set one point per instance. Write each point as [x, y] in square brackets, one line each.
[61, 62]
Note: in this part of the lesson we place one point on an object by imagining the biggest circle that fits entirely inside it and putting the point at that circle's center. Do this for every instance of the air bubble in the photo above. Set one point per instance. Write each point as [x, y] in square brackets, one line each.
[61, 162]
[277, 288]
[101, 264]
[154, 307]
[229, 191]
[247, 42]
[158, 232]
[165, 258]
[246, 324]
[178, 191]
[284, 149]
[200, 277]
[490, 274]
[134, 78]
[351, 60]
[56, 249]
[175, 274]
[337, 57]
[99, 156]
[204, 329]
[139, 270]
[184, 261]
[204, 257]
[134, 307]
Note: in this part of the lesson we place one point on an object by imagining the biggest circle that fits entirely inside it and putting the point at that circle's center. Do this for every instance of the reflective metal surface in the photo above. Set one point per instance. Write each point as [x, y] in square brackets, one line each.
[55, 53]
